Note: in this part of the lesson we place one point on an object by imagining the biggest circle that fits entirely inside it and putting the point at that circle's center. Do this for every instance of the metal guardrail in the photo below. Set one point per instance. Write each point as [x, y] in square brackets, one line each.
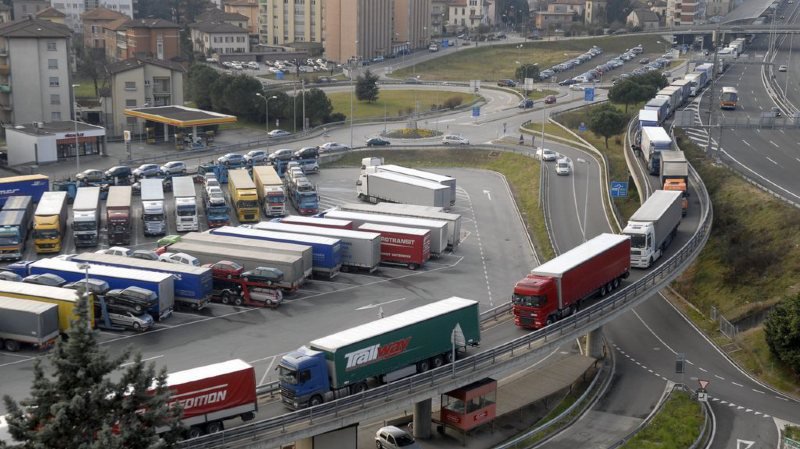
[488, 361]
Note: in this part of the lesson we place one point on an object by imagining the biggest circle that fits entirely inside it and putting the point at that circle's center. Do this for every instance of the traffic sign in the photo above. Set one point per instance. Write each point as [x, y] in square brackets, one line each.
[476, 111]
[702, 396]
[588, 94]
[582, 127]
[703, 383]
[619, 189]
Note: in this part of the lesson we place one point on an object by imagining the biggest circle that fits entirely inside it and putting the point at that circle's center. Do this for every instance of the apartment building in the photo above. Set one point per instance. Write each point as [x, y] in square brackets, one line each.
[142, 38]
[246, 8]
[287, 21]
[595, 12]
[35, 84]
[25, 8]
[94, 22]
[468, 14]
[412, 23]
[52, 15]
[74, 9]
[136, 83]
[219, 38]
[357, 29]
[5, 13]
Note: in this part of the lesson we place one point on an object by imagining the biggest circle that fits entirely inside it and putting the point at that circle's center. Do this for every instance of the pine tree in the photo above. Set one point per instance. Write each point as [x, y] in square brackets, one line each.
[367, 87]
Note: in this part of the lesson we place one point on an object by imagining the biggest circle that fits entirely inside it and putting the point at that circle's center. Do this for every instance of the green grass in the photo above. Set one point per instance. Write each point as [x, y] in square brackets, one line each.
[522, 173]
[394, 103]
[550, 129]
[490, 63]
[538, 94]
[676, 425]
[85, 88]
[792, 432]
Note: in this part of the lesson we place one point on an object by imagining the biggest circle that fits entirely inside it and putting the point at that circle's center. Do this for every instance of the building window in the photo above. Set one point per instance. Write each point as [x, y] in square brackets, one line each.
[55, 99]
[52, 64]
[130, 103]
[54, 81]
[130, 85]
[55, 116]
[51, 46]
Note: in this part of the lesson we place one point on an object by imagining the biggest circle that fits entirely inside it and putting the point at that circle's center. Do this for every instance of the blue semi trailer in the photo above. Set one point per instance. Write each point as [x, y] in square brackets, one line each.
[31, 185]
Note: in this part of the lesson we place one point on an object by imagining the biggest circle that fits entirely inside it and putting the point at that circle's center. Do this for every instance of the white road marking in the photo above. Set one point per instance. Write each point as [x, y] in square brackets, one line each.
[757, 391]
[719, 377]
[745, 142]
[267, 370]
[774, 144]
[372, 306]
[770, 159]
[702, 369]
[144, 360]
[488, 194]
[738, 385]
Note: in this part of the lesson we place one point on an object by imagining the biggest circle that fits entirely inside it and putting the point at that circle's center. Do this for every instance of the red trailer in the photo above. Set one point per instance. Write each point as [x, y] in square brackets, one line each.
[399, 245]
[318, 221]
[214, 393]
[556, 288]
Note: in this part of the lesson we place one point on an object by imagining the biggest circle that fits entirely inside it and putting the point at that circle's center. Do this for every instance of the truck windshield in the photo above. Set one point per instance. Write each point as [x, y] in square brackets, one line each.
[154, 217]
[9, 237]
[245, 204]
[46, 234]
[305, 188]
[276, 198]
[217, 210]
[287, 375]
[84, 226]
[528, 301]
[119, 229]
[186, 211]
[637, 240]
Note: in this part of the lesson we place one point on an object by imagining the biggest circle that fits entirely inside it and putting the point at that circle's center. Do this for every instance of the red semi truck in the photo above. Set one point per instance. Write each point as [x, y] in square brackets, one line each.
[399, 245]
[214, 393]
[556, 288]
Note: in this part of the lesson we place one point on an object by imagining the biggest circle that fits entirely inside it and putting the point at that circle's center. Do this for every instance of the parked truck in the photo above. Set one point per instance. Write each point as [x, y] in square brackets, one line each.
[153, 213]
[244, 195]
[217, 213]
[271, 193]
[25, 322]
[653, 226]
[303, 195]
[674, 95]
[316, 221]
[655, 141]
[557, 288]
[185, 204]
[326, 252]
[161, 284]
[410, 247]
[413, 211]
[26, 185]
[648, 117]
[660, 105]
[191, 285]
[118, 215]
[86, 217]
[15, 224]
[437, 228]
[685, 87]
[698, 81]
[444, 180]
[382, 351]
[675, 175]
[395, 188]
[291, 266]
[360, 250]
[50, 222]
[65, 298]
[213, 394]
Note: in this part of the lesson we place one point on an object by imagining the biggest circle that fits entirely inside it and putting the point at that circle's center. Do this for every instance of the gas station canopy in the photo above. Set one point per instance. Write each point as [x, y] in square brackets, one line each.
[180, 116]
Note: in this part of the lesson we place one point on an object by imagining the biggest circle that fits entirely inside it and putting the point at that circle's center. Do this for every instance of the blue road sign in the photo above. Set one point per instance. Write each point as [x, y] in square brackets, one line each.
[476, 111]
[588, 94]
[582, 127]
[619, 189]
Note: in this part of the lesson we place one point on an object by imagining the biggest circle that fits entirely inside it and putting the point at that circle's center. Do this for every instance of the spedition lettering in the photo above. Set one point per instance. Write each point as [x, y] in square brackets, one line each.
[397, 241]
[375, 353]
[199, 401]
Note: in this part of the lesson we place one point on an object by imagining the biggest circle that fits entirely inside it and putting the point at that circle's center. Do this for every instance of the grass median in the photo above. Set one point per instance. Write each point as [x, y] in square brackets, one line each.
[677, 424]
[522, 173]
[393, 103]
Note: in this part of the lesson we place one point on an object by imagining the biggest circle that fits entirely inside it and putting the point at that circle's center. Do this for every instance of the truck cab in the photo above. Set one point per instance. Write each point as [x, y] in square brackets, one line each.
[643, 251]
[153, 216]
[534, 300]
[84, 227]
[304, 378]
[186, 214]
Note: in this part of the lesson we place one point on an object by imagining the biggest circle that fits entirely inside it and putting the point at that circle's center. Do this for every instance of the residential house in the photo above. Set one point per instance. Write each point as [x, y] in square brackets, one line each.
[5, 13]
[94, 22]
[545, 20]
[595, 12]
[659, 8]
[52, 15]
[218, 15]
[467, 14]
[35, 84]
[139, 82]
[355, 29]
[643, 19]
[74, 9]
[142, 38]
[574, 6]
[25, 8]
[682, 12]
[439, 16]
[246, 8]
[219, 38]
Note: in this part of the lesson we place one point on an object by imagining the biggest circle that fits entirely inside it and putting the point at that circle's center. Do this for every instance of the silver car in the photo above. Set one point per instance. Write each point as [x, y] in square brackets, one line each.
[174, 168]
[391, 437]
[130, 320]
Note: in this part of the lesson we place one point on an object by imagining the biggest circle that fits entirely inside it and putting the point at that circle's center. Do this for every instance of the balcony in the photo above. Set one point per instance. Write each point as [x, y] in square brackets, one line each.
[5, 69]
[5, 88]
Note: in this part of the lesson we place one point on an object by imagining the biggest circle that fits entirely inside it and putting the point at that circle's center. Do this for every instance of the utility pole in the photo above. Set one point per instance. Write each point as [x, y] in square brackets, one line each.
[711, 95]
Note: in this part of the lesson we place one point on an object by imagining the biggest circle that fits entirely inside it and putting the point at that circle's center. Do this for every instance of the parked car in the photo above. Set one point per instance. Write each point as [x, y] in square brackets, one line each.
[332, 147]
[525, 103]
[231, 159]
[10, 276]
[306, 153]
[550, 99]
[644, 61]
[174, 168]
[132, 298]
[546, 155]
[507, 83]
[145, 254]
[284, 154]
[278, 133]
[256, 156]
[568, 82]
[391, 437]
[579, 87]
[265, 275]
[225, 269]
[118, 171]
[377, 142]
[782, 68]
[454, 139]
[146, 171]
[90, 175]
[179, 258]
[562, 166]
[92, 285]
[127, 319]
[116, 251]
[215, 196]
[50, 279]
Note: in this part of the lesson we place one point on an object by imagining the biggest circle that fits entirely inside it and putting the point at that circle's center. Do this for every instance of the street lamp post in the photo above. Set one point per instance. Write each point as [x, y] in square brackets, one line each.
[266, 108]
[75, 122]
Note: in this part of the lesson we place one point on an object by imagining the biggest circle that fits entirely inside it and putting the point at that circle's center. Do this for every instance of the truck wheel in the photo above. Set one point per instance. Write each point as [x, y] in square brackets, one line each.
[226, 298]
[550, 320]
[11, 345]
[238, 301]
[412, 266]
[615, 282]
[437, 362]
[448, 357]
[194, 432]
[603, 290]
[214, 427]
[423, 366]
[315, 400]
[358, 388]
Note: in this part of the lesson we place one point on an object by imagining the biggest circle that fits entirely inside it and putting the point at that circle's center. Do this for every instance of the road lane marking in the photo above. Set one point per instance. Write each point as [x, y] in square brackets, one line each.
[769, 159]
[702, 369]
[719, 377]
[745, 142]
[757, 391]
[774, 144]
[267, 370]
[372, 306]
[143, 360]
[738, 385]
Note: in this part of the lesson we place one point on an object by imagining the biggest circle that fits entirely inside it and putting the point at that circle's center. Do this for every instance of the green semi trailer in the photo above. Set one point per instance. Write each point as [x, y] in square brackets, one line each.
[382, 351]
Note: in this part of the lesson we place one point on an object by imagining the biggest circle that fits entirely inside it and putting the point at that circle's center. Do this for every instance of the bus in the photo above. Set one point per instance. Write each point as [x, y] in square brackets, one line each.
[244, 196]
[49, 222]
[728, 98]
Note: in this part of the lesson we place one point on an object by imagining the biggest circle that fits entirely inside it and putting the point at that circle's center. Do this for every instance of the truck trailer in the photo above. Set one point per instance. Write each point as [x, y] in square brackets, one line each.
[26, 185]
[653, 226]
[25, 322]
[557, 288]
[321, 255]
[14, 227]
[50, 222]
[412, 211]
[118, 215]
[86, 217]
[648, 117]
[675, 175]
[317, 221]
[382, 351]
[401, 245]
[185, 198]
[271, 193]
[161, 284]
[65, 298]
[675, 96]
[153, 213]
[655, 141]
[395, 188]
[360, 250]
[191, 285]
[419, 174]
[660, 105]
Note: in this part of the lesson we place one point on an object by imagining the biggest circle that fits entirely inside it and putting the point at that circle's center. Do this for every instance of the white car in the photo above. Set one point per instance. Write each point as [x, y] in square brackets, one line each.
[212, 182]
[782, 68]
[391, 437]
[179, 258]
[579, 87]
[331, 147]
[116, 251]
[454, 139]
[562, 167]
[546, 155]
[215, 196]
[278, 133]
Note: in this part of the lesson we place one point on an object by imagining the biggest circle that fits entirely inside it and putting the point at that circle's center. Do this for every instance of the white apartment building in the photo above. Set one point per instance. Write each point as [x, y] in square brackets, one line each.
[287, 21]
[74, 8]
[220, 38]
[35, 83]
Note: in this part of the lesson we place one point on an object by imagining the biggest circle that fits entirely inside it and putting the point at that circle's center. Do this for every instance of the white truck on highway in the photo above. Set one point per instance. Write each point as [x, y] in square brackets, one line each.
[86, 216]
[153, 214]
[375, 164]
[185, 204]
[653, 226]
[395, 188]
